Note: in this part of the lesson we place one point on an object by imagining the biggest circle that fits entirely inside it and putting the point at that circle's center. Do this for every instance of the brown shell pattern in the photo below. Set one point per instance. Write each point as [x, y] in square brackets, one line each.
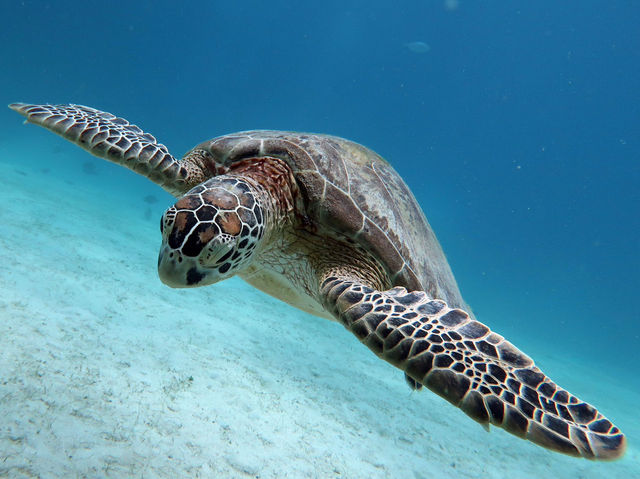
[350, 190]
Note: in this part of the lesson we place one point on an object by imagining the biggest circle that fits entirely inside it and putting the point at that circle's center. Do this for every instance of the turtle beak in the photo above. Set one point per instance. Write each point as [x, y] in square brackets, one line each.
[178, 271]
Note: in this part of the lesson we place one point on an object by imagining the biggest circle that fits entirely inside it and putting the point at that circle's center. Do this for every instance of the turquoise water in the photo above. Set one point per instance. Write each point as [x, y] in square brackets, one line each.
[516, 125]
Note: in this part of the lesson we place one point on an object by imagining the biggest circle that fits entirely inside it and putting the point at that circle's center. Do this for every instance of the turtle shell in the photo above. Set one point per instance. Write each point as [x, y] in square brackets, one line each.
[350, 191]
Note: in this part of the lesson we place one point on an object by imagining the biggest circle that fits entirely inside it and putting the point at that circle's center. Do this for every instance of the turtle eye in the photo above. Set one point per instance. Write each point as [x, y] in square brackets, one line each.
[166, 221]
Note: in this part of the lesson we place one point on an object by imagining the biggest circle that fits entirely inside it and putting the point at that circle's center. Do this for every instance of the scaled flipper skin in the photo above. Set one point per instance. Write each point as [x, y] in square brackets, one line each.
[114, 139]
[470, 366]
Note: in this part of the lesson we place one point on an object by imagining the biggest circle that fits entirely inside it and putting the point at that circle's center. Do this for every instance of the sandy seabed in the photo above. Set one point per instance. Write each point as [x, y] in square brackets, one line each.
[105, 372]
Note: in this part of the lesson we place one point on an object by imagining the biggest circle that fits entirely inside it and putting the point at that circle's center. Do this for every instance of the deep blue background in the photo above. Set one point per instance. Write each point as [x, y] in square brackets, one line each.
[519, 131]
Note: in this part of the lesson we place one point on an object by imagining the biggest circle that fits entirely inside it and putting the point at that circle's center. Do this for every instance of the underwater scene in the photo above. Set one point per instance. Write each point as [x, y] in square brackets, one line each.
[516, 126]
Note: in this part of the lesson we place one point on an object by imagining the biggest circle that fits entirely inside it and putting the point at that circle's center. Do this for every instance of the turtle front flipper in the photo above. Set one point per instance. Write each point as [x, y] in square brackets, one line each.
[114, 139]
[470, 366]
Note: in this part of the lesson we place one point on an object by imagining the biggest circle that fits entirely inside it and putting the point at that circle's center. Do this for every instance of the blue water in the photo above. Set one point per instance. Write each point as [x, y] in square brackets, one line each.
[516, 124]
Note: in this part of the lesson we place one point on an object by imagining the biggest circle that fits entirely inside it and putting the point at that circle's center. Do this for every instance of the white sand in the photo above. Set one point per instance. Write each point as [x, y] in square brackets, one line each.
[105, 372]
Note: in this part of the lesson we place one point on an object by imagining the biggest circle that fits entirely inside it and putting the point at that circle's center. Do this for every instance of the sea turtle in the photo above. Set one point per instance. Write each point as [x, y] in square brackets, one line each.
[329, 227]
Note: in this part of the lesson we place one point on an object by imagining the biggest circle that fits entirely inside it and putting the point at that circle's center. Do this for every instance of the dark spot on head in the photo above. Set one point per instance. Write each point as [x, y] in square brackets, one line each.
[189, 202]
[206, 213]
[183, 223]
[224, 268]
[194, 276]
[197, 240]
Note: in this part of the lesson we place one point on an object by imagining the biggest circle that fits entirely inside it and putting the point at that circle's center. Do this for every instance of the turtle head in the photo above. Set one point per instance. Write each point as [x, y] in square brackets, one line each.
[211, 233]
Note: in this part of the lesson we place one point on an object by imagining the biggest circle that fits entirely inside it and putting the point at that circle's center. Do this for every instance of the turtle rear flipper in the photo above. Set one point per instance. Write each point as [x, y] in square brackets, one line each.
[472, 367]
[114, 139]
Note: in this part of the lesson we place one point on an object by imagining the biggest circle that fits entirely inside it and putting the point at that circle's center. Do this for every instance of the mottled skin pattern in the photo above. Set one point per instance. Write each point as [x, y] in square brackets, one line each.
[329, 227]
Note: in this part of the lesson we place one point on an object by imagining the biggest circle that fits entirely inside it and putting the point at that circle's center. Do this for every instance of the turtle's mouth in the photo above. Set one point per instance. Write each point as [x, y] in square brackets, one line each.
[179, 271]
